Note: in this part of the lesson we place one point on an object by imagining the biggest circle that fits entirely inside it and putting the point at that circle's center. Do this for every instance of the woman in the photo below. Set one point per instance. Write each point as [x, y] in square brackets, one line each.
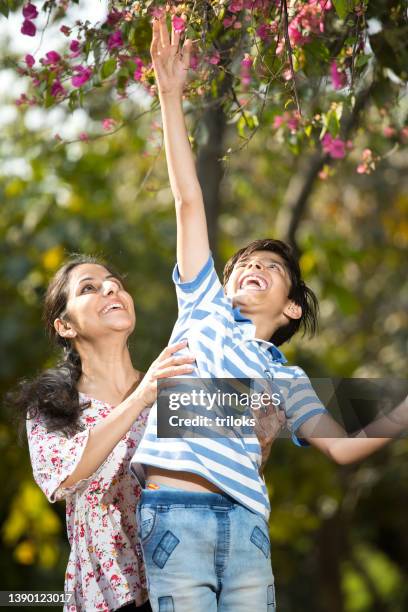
[84, 420]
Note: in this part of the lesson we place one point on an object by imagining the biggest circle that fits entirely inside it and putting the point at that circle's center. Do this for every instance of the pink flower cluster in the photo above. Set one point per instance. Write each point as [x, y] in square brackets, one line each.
[308, 20]
[335, 147]
[338, 78]
[367, 164]
[246, 65]
[29, 13]
[179, 24]
[82, 75]
[137, 75]
[289, 119]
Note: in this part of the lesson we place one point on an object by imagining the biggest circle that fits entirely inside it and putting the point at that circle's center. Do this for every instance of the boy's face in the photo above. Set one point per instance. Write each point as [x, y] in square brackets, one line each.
[260, 284]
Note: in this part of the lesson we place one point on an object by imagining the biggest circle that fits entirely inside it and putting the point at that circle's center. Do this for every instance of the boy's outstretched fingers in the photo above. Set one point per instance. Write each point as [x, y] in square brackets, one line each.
[186, 53]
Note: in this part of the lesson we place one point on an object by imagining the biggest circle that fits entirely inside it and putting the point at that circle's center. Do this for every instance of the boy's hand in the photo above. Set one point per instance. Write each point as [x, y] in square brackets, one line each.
[169, 62]
[268, 424]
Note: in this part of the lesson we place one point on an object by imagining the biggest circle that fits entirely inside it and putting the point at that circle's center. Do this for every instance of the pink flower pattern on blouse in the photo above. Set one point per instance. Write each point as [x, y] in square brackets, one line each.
[105, 567]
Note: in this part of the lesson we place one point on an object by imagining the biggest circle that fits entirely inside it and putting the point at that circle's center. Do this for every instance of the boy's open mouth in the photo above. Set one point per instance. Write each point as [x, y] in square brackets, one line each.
[253, 282]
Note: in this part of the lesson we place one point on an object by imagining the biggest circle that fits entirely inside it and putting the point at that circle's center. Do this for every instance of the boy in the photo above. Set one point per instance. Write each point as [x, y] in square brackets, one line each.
[203, 516]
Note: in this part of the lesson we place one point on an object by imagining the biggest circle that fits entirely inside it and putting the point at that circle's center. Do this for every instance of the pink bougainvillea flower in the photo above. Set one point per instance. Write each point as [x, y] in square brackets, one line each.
[51, 58]
[236, 6]
[82, 76]
[194, 61]
[338, 78]
[215, 58]
[229, 21]
[28, 28]
[108, 124]
[74, 46]
[113, 17]
[157, 12]
[389, 131]
[84, 136]
[137, 75]
[30, 11]
[246, 65]
[29, 60]
[263, 31]
[65, 30]
[57, 89]
[335, 147]
[179, 24]
[278, 121]
[115, 40]
[293, 123]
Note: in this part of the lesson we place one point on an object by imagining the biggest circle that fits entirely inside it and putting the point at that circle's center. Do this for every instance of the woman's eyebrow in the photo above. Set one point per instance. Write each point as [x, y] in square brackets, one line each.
[87, 278]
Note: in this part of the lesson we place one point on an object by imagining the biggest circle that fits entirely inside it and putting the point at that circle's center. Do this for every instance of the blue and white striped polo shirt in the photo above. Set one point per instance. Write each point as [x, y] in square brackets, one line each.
[224, 344]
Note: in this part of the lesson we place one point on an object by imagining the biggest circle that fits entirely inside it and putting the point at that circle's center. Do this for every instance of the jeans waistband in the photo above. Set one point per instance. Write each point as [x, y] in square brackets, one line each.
[180, 497]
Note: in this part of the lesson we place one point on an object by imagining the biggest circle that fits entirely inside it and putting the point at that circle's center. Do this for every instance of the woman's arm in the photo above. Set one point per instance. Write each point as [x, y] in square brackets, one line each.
[343, 449]
[106, 434]
[171, 65]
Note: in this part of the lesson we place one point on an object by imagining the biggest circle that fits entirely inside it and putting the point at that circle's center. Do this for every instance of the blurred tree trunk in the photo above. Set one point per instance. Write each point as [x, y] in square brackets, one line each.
[330, 553]
[209, 167]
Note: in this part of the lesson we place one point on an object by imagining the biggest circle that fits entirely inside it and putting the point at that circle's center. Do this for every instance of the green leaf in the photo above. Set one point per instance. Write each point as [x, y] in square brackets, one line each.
[342, 8]
[4, 9]
[108, 68]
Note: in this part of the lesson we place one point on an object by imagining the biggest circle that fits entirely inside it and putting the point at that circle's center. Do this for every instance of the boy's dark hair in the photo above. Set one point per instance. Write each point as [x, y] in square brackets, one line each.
[299, 292]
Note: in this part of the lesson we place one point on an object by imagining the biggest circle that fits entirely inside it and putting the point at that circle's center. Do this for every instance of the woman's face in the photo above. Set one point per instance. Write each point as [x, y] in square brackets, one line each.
[97, 304]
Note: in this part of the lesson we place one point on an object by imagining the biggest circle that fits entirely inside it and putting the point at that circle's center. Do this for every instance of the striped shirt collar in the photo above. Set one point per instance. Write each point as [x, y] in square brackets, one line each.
[249, 334]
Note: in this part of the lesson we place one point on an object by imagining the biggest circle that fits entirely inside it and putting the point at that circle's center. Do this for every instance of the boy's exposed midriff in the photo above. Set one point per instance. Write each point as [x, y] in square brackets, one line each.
[180, 480]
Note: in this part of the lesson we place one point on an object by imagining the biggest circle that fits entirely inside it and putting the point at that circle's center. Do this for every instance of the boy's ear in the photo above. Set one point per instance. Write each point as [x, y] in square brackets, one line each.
[64, 328]
[293, 310]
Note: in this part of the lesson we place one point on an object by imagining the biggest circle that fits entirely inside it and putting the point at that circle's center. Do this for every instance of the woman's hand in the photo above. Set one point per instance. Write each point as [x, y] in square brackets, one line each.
[165, 366]
[169, 62]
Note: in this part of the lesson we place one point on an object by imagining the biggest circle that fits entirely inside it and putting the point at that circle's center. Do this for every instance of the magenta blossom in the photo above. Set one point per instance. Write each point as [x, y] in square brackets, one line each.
[74, 46]
[57, 89]
[28, 28]
[278, 121]
[84, 136]
[263, 32]
[179, 24]
[229, 21]
[30, 11]
[82, 76]
[137, 75]
[246, 65]
[215, 58]
[29, 60]
[194, 61]
[335, 147]
[115, 40]
[65, 30]
[338, 78]
[236, 6]
[51, 58]
[108, 124]
[113, 17]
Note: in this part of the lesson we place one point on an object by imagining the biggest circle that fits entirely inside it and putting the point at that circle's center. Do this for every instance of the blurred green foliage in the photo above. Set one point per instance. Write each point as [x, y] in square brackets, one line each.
[338, 534]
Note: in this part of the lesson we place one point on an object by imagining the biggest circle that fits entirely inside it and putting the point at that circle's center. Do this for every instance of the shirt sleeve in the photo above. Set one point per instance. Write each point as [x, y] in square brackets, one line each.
[301, 403]
[203, 293]
[54, 457]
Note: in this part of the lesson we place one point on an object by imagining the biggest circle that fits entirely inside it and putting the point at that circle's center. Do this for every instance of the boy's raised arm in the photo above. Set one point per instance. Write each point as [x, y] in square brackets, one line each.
[327, 435]
[171, 65]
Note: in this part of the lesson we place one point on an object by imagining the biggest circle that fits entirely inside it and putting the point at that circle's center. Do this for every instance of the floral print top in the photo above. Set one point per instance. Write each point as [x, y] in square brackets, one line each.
[105, 567]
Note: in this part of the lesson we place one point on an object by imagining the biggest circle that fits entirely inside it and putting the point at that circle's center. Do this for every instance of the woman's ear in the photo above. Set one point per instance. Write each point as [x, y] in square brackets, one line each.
[64, 328]
[293, 310]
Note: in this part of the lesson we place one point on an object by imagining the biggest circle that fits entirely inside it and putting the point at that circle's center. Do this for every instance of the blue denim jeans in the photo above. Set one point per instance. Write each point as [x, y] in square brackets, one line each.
[204, 553]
